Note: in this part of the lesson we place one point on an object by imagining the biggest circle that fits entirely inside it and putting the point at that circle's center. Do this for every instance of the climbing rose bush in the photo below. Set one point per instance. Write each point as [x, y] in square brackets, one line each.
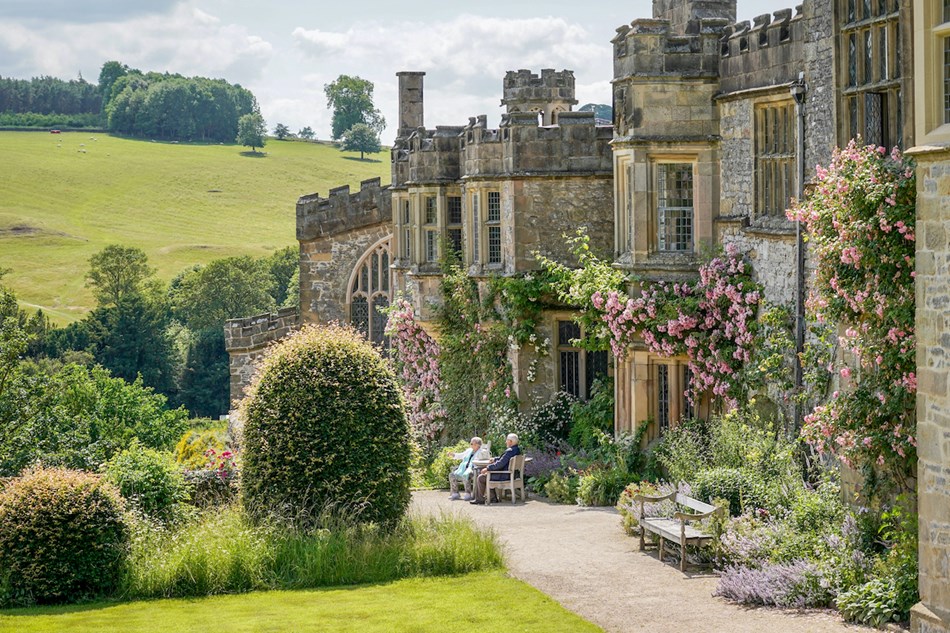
[416, 355]
[861, 228]
[711, 321]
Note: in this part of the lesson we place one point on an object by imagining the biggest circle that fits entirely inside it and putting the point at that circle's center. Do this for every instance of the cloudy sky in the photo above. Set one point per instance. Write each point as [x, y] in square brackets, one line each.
[285, 51]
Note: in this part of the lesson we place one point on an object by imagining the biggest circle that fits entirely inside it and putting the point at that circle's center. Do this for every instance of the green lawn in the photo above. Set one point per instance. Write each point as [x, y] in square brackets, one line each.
[182, 204]
[475, 602]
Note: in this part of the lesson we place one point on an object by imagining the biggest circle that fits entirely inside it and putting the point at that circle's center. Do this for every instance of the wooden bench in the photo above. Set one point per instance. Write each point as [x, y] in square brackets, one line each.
[677, 529]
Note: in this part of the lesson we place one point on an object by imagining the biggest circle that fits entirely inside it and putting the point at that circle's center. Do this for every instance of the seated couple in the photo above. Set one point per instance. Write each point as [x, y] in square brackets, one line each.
[466, 469]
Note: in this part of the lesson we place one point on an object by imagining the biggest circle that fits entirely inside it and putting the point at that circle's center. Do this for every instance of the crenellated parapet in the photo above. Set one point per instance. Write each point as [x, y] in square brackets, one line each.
[547, 95]
[652, 48]
[434, 155]
[575, 144]
[481, 148]
[256, 332]
[343, 211]
[767, 52]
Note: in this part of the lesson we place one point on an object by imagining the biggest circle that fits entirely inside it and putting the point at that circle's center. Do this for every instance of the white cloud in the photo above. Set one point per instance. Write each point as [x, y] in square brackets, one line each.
[187, 41]
[465, 59]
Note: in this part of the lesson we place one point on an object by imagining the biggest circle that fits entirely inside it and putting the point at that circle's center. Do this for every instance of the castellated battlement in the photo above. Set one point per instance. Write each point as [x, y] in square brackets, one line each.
[342, 211]
[550, 85]
[521, 146]
[767, 52]
[434, 154]
[653, 48]
[258, 331]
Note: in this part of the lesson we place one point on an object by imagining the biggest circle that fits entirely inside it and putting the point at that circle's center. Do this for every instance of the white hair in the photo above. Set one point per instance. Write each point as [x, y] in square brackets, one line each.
[513, 437]
[476, 440]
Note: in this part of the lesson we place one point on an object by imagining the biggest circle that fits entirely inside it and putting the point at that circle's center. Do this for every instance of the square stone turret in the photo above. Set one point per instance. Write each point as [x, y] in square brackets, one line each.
[548, 95]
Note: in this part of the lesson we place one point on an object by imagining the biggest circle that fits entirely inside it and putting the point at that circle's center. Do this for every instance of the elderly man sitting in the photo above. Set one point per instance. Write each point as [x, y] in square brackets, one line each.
[465, 470]
[499, 464]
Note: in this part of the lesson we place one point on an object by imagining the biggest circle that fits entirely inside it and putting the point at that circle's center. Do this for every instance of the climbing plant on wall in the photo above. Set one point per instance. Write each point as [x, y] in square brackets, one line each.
[861, 221]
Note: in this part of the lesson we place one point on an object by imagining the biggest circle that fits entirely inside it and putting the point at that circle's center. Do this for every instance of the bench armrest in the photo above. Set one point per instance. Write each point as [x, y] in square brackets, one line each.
[654, 499]
[686, 516]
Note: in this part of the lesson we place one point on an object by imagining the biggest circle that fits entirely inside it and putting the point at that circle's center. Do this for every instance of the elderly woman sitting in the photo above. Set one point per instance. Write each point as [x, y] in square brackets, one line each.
[465, 471]
[499, 464]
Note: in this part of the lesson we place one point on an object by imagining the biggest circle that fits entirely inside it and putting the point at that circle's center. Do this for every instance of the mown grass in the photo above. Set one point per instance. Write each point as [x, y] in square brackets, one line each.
[223, 552]
[64, 197]
[471, 602]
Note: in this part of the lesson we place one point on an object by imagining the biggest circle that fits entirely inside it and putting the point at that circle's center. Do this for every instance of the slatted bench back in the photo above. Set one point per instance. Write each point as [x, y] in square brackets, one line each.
[694, 504]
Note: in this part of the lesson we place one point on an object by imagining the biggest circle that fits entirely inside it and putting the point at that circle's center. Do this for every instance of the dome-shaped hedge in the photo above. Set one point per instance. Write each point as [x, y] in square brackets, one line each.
[325, 430]
[62, 537]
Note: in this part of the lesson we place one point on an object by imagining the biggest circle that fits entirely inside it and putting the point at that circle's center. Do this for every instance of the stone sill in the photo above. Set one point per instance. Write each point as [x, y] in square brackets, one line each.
[920, 614]
[761, 230]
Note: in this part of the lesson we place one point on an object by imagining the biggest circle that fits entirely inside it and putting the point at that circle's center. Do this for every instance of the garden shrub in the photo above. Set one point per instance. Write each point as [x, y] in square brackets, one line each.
[630, 509]
[602, 485]
[437, 473]
[148, 480]
[62, 537]
[325, 429]
[739, 487]
[595, 417]
[684, 450]
[797, 584]
[562, 488]
[191, 450]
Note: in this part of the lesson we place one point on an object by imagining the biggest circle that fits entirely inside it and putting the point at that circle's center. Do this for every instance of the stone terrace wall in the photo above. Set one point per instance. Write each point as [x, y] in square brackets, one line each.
[932, 614]
[246, 341]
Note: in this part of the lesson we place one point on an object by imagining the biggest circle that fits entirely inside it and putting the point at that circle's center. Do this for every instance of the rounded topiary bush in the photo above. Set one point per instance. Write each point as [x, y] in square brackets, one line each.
[325, 431]
[62, 537]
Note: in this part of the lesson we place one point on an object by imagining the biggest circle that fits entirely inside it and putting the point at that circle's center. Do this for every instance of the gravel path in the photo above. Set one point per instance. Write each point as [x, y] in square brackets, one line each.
[581, 558]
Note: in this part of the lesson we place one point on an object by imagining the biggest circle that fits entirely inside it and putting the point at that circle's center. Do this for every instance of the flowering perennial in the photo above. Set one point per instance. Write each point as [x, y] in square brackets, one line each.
[712, 322]
[417, 360]
[861, 226]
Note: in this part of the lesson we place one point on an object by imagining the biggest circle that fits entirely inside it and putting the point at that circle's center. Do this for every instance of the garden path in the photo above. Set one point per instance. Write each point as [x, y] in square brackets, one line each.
[581, 558]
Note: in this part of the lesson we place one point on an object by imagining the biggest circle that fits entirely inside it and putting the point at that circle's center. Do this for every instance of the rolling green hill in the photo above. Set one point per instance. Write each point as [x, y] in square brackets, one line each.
[65, 196]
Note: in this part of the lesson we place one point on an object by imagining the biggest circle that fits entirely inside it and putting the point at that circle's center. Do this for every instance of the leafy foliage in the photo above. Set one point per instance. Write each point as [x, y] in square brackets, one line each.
[62, 537]
[281, 131]
[191, 450]
[360, 138]
[351, 100]
[118, 271]
[226, 288]
[251, 131]
[79, 417]
[325, 430]
[148, 480]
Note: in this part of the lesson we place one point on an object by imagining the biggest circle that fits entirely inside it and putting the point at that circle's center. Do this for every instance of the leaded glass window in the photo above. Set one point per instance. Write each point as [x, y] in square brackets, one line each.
[774, 158]
[946, 79]
[431, 210]
[370, 291]
[663, 397]
[476, 223]
[675, 207]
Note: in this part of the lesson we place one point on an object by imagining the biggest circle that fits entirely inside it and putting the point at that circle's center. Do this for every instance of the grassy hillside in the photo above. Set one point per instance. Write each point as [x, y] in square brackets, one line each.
[65, 196]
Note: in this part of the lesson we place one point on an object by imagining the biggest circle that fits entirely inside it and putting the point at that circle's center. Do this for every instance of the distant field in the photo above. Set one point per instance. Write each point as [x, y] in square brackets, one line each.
[63, 197]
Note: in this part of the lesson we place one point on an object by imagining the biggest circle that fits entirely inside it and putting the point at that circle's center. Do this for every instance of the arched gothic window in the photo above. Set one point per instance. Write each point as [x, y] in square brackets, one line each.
[370, 292]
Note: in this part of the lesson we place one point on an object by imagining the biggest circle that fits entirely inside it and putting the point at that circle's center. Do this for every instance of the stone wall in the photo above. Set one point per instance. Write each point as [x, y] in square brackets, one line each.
[684, 14]
[737, 177]
[326, 264]
[820, 62]
[932, 614]
[768, 52]
[544, 210]
[246, 341]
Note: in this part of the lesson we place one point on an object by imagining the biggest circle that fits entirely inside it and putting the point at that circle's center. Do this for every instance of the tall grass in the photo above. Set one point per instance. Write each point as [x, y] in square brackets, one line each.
[223, 552]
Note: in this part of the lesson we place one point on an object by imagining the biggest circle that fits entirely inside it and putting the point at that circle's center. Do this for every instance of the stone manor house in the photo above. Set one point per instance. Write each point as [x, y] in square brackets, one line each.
[716, 126]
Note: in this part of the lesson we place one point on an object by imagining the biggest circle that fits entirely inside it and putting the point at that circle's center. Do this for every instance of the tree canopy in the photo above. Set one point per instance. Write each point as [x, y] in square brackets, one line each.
[251, 131]
[360, 138]
[351, 100]
[306, 133]
[117, 271]
[281, 131]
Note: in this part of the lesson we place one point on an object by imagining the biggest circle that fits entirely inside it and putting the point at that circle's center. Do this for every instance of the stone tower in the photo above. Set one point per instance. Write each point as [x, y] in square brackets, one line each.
[549, 94]
[684, 15]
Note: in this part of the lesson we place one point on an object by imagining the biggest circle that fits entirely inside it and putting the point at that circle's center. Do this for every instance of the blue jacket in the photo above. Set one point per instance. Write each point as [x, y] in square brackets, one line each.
[502, 463]
[465, 468]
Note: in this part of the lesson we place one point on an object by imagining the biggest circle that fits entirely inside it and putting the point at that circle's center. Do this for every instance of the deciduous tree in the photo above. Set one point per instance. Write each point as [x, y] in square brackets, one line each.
[351, 100]
[360, 138]
[116, 271]
[251, 131]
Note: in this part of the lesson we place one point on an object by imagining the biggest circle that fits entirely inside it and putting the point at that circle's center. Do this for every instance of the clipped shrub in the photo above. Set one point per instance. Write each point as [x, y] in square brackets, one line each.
[62, 537]
[739, 487]
[191, 450]
[148, 480]
[325, 430]
[602, 486]
[562, 488]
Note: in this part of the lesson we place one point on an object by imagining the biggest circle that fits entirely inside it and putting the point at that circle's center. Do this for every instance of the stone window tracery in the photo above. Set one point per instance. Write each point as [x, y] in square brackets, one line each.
[371, 292]
[454, 222]
[493, 223]
[577, 368]
[775, 146]
[674, 207]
